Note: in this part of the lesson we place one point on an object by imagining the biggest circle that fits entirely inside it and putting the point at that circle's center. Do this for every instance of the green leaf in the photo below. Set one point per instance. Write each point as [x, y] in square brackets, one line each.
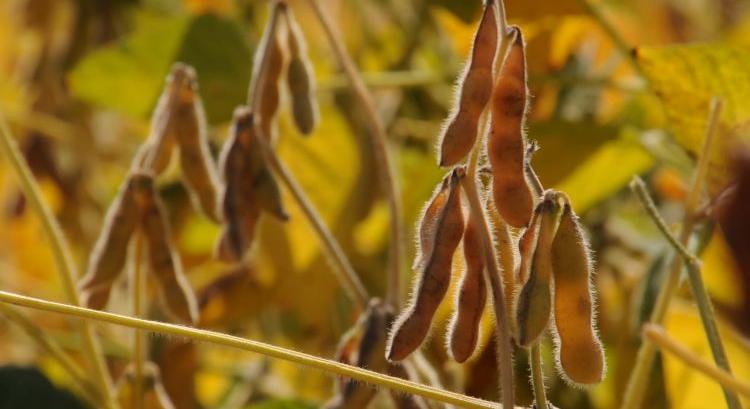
[128, 76]
[605, 172]
[685, 78]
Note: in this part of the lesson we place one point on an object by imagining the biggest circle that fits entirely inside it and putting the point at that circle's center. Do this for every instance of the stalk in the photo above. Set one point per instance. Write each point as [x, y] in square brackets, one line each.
[138, 354]
[537, 376]
[62, 256]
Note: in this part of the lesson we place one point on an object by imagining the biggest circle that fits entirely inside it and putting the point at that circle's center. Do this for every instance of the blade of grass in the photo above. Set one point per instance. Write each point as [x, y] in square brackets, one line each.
[61, 253]
[658, 336]
[272, 351]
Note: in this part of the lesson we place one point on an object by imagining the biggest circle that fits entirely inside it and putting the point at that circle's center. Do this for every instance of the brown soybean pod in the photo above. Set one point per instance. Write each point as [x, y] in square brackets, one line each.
[300, 78]
[427, 223]
[505, 248]
[475, 89]
[188, 123]
[110, 253]
[412, 326]
[506, 145]
[156, 153]
[268, 68]
[533, 307]
[163, 261]
[472, 297]
[580, 355]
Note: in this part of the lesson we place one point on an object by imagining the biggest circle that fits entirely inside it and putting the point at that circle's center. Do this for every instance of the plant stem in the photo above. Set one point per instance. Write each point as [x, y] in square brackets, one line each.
[537, 376]
[658, 336]
[138, 355]
[86, 388]
[491, 274]
[62, 256]
[696, 285]
[636, 386]
[322, 364]
[342, 266]
[382, 157]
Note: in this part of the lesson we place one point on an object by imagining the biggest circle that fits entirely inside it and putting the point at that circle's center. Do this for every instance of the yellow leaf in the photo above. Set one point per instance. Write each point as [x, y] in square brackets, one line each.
[720, 272]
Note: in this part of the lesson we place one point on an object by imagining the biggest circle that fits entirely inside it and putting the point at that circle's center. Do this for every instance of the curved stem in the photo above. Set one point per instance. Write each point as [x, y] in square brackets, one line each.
[322, 364]
[138, 355]
[379, 141]
[342, 266]
[537, 376]
[61, 253]
[491, 275]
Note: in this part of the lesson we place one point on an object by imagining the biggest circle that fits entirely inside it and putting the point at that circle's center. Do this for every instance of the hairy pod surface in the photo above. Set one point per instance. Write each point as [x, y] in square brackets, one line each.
[249, 187]
[506, 147]
[427, 223]
[163, 260]
[533, 307]
[434, 277]
[474, 90]
[300, 78]
[110, 252]
[580, 355]
[268, 68]
[472, 297]
[156, 153]
[188, 123]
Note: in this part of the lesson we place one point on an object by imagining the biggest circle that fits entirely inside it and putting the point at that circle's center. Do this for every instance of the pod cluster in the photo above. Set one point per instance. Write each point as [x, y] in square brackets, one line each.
[552, 277]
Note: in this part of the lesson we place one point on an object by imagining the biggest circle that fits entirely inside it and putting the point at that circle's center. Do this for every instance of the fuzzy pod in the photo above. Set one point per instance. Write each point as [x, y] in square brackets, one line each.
[580, 355]
[472, 297]
[533, 306]
[506, 147]
[300, 78]
[474, 91]
[249, 188]
[156, 153]
[412, 326]
[268, 68]
[163, 261]
[188, 123]
[505, 248]
[109, 256]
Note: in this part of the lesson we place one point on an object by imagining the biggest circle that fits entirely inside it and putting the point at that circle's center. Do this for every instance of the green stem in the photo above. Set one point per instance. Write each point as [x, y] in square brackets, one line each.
[383, 158]
[322, 364]
[639, 376]
[697, 287]
[61, 253]
[537, 376]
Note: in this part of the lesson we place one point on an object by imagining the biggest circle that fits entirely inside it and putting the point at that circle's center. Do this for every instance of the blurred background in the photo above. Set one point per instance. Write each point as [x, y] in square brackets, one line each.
[619, 87]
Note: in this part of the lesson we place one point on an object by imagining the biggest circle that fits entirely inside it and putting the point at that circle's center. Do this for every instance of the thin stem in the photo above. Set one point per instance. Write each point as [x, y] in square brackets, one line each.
[658, 336]
[322, 364]
[138, 355]
[61, 253]
[537, 376]
[342, 266]
[637, 383]
[491, 274]
[86, 388]
[696, 285]
[383, 159]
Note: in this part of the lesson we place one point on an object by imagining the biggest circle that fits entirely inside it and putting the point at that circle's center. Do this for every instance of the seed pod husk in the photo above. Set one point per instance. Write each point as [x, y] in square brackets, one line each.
[188, 123]
[475, 89]
[110, 253]
[249, 187]
[472, 297]
[156, 153]
[506, 147]
[268, 67]
[579, 351]
[300, 78]
[533, 307]
[163, 261]
[433, 280]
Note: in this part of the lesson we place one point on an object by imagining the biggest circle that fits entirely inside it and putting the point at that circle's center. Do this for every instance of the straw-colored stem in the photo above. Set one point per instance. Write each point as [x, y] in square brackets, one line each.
[697, 286]
[272, 351]
[639, 376]
[61, 253]
[491, 275]
[383, 159]
[342, 266]
[659, 337]
[537, 376]
[137, 284]
[87, 390]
